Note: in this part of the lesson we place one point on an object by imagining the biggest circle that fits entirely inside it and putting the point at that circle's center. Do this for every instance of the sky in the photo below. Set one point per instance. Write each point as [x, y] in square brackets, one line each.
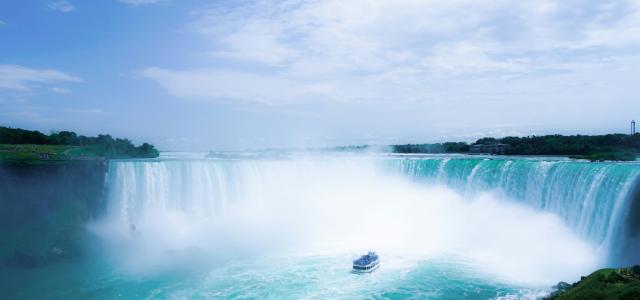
[233, 75]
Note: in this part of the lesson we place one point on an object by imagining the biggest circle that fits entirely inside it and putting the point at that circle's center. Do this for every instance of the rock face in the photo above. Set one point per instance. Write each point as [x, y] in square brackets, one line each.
[559, 288]
[43, 210]
[623, 284]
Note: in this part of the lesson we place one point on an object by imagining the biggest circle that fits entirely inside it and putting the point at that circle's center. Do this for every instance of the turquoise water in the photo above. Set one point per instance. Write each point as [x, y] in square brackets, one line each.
[590, 197]
[447, 227]
[291, 277]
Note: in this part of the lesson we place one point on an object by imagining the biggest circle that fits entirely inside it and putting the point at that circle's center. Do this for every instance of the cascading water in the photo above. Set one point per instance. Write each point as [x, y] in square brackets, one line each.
[592, 198]
[513, 225]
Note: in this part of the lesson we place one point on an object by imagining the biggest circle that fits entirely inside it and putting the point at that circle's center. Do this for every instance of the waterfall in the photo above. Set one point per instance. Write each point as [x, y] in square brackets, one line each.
[592, 199]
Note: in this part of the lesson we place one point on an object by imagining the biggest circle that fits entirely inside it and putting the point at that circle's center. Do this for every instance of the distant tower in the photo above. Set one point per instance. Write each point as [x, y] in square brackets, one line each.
[633, 127]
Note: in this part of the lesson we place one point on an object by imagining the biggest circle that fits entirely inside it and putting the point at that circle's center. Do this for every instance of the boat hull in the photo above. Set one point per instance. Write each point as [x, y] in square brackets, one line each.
[366, 269]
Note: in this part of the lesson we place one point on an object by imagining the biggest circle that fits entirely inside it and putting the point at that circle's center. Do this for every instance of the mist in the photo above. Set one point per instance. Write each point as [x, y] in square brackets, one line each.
[190, 215]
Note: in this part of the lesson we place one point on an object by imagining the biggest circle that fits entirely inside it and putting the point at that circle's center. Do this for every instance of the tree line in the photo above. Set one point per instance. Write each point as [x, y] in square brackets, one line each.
[104, 144]
[449, 147]
[568, 145]
[593, 147]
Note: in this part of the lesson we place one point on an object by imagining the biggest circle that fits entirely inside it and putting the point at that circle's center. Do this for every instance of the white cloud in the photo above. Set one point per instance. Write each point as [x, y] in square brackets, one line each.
[215, 84]
[59, 90]
[408, 51]
[61, 6]
[23, 79]
[2, 23]
[141, 2]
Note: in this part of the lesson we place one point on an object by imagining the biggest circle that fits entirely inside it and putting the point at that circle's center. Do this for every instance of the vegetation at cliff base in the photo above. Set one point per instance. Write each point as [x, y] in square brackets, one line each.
[19, 145]
[611, 284]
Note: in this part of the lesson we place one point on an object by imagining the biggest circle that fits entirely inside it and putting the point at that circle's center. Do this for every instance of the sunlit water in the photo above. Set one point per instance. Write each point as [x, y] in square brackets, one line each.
[289, 228]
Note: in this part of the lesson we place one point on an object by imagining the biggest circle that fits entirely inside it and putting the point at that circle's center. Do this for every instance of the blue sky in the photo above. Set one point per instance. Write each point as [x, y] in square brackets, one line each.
[200, 75]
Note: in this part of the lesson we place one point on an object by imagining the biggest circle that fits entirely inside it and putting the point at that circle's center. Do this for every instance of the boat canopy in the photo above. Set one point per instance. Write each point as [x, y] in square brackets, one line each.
[366, 259]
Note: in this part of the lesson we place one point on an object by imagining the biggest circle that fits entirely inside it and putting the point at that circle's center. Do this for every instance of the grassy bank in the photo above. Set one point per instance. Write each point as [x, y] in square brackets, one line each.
[603, 284]
[20, 146]
[40, 154]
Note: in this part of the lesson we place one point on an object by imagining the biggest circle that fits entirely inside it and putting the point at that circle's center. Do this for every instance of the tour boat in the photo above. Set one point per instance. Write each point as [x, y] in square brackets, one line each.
[366, 263]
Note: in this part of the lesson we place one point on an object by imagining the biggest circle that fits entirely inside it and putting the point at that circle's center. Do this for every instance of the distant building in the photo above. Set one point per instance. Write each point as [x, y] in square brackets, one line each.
[633, 127]
[497, 148]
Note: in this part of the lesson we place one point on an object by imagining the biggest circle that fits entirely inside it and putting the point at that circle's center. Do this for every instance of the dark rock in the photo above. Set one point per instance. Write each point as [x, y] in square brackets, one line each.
[562, 286]
[558, 289]
[44, 210]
